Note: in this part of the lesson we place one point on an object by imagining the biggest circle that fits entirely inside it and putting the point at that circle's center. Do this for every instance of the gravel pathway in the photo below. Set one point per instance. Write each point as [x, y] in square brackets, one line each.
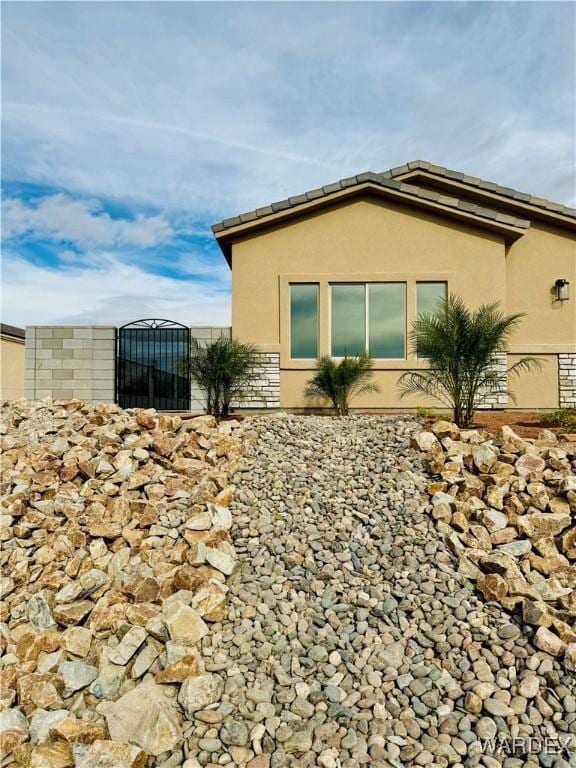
[351, 639]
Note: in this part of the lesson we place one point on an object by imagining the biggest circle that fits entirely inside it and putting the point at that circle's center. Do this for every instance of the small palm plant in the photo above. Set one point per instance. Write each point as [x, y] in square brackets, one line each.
[460, 346]
[224, 369]
[340, 382]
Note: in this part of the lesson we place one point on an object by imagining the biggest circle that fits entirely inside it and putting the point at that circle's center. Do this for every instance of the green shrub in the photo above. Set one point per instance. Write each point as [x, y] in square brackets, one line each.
[424, 413]
[565, 418]
[224, 369]
[460, 346]
[340, 382]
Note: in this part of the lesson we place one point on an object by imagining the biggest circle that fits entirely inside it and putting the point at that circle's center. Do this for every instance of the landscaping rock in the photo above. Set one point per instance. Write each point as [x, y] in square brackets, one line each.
[511, 524]
[101, 509]
[351, 635]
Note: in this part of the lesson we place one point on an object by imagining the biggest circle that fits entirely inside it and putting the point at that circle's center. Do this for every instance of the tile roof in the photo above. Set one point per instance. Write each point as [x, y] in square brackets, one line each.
[11, 330]
[387, 180]
[379, 180]
[482, 184]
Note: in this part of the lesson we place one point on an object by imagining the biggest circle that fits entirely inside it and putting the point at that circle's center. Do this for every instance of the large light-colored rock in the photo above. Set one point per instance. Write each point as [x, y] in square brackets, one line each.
[128, 646]
[185, 624]
[13, 730]
[425, 441]
[77, 675]
[111, 754]
[539, 524]
[484, 457]
[549, 642]
[200, 691]
[144, 716]
[42, 721]
[444, 429]
[528, 463]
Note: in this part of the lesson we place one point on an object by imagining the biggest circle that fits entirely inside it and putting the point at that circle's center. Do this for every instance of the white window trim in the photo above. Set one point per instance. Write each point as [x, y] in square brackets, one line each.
[366, 313]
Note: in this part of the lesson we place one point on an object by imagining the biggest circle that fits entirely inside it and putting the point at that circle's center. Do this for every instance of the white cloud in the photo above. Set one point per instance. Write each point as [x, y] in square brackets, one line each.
[219, 108]
[60, 217]
[108, 292]
[203, 110]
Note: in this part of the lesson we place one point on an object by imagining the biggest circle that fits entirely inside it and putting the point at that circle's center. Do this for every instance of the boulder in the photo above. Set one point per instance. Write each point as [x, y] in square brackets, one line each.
[199, 691]
[111, 754]
[146, 717]
[549, 642]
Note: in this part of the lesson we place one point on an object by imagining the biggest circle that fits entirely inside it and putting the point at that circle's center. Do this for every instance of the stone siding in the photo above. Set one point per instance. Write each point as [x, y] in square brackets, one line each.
[264, 391]
[567, 379]
[495, 402]
[71, 362]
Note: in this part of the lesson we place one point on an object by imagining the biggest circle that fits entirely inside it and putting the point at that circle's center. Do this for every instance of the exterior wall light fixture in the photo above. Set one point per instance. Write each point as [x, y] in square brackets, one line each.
[562, 290]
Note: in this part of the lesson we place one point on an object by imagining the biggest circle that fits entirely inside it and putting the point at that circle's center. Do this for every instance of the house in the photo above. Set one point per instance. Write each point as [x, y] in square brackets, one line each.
[341, 269]
[12, 362]
[349, 266]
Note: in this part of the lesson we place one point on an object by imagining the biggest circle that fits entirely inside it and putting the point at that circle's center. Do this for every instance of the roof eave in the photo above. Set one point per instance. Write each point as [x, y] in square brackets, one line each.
[495, 194]
[499, 223]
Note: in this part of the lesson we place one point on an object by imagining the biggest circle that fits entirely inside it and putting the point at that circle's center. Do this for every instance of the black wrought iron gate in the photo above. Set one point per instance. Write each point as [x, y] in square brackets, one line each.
[152, 367]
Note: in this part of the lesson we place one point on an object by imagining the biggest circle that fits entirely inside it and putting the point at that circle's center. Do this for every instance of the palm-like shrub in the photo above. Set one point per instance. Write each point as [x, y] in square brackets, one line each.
[340, 381]
[460, 346]
[224, 369]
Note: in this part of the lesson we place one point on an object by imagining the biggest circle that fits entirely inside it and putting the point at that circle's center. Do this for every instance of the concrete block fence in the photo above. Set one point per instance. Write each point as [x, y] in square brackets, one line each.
[79, 362]
[65, 362]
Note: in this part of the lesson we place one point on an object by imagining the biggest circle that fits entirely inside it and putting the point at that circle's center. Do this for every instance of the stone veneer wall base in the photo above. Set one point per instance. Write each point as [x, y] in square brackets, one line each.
[264, 391]
[567, 379]
[497, 402]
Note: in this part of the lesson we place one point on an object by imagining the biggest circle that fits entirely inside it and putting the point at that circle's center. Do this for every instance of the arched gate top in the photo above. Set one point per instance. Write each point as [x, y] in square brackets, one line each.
[149, 322]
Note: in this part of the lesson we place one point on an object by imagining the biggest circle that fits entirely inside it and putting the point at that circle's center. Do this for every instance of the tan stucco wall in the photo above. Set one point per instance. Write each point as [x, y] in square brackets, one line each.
[537, 389]
[533, 264]
[370, 240]
[12, 364]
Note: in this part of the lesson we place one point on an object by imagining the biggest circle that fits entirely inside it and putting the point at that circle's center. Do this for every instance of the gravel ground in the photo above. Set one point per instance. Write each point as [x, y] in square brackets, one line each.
[351, 639]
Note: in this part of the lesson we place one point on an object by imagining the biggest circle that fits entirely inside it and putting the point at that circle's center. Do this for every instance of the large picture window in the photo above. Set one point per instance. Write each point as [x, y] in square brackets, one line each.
[368, 317]
[428, 297]
[303, 321]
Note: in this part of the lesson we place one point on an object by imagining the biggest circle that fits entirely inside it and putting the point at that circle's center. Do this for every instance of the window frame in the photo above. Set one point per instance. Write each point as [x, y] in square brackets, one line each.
[366, 284]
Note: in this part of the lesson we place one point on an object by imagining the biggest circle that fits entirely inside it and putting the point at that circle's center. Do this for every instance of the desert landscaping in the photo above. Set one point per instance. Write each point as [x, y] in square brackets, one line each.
[283, 591]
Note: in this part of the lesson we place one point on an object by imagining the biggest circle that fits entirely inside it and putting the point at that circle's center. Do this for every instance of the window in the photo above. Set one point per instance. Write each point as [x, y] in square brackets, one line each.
[303, 321]
[369, 317]
[428, 295]
[387, 320]
[348, 320]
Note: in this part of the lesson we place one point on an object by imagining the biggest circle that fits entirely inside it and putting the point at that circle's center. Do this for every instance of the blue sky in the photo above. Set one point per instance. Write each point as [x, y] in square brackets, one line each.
[128, 128]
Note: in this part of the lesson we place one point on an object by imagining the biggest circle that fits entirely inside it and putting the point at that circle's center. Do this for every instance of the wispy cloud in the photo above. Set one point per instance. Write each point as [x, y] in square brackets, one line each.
[179, 114]
[163, 128]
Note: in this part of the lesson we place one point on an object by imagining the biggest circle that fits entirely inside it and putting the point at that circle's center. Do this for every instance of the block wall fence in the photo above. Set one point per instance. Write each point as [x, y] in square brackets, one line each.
[67, 363]
[79, 362]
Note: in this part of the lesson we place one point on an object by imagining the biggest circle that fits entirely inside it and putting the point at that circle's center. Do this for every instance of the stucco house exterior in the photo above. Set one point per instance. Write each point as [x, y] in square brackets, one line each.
[345, 268]
[349, 266]
[11, 362]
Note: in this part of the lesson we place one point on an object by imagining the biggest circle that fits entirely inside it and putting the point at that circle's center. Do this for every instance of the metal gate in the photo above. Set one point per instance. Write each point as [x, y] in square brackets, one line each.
[152, 367]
